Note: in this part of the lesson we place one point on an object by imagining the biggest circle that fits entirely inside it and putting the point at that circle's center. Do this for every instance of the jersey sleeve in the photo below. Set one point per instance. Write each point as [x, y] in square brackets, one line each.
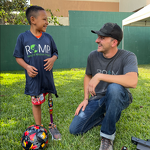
[54, 48]
[130, 64]
[18, 52]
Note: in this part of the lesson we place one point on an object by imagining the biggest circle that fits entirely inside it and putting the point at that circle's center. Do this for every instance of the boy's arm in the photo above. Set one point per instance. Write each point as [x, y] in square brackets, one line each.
[50, 62]
[32, 71]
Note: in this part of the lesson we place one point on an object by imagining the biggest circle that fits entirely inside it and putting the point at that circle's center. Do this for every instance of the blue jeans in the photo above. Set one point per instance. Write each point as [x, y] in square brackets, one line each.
[112, 104]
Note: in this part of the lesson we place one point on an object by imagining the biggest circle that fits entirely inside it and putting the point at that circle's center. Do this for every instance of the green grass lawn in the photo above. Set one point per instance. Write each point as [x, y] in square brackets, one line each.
[16, 112]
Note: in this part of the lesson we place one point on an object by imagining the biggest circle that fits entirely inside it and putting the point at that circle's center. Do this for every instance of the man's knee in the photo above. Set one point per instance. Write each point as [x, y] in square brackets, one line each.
[114, 88]
[76, 125]
[72, 129]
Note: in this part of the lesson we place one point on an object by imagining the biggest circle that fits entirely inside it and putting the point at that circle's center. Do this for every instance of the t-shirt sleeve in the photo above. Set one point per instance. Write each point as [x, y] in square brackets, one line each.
[88, 67]
[18, 52]
[131, 64]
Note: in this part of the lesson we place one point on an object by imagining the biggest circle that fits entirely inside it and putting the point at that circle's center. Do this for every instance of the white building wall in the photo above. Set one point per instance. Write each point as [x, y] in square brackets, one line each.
[148, 2]
[132, 5]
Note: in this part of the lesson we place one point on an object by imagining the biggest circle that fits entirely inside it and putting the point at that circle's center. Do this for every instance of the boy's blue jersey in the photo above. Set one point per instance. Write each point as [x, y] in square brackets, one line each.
[34, 51]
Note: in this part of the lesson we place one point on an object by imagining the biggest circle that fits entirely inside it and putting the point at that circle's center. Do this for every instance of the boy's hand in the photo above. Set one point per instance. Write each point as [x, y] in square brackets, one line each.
[32, 71]
[49, 64]
[82, 105]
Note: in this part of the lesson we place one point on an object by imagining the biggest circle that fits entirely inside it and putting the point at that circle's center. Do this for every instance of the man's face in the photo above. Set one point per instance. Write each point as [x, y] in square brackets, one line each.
[41, 21]
[104, 43]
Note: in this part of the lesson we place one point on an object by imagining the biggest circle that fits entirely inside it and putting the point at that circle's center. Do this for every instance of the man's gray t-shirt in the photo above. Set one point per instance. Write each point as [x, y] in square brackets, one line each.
[122, 63]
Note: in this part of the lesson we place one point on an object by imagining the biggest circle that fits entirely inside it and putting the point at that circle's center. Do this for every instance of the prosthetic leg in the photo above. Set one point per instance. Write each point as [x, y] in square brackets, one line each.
[52, 127]
[50, 106]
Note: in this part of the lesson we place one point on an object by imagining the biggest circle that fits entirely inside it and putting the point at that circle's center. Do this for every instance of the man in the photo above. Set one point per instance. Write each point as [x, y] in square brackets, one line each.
[109, 73]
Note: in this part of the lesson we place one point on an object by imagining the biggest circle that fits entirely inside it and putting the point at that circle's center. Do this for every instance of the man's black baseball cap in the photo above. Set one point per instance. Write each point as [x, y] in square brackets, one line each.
[110, 30]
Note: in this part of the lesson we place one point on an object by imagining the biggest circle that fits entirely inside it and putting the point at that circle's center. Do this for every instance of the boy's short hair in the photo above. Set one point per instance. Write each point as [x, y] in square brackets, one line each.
[32, 11]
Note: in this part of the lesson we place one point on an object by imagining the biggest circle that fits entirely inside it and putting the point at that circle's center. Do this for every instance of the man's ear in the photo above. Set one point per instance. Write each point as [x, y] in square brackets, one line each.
[114, 43]
[32, 19]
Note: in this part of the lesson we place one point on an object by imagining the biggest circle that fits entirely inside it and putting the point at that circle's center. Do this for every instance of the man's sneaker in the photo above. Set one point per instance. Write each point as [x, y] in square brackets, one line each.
[54, 132]
[106, 144]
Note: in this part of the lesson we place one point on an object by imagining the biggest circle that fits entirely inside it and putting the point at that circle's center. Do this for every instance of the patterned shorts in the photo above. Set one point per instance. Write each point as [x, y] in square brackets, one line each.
[38, 100]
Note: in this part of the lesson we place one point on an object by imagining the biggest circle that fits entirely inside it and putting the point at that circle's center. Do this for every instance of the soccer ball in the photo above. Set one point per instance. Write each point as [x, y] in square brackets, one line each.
[34, 137]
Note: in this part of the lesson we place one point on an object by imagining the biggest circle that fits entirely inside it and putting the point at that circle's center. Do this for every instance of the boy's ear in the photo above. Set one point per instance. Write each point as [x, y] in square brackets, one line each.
[32, 19]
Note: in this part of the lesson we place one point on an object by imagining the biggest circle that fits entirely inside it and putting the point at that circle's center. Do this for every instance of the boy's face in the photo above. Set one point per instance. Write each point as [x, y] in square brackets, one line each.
[40, 21]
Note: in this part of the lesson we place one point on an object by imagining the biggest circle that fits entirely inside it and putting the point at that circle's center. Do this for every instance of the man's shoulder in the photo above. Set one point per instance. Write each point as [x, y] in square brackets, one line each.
[127, 56]
[95, 55]
[122, 51]
[94, 52]
[125, 53]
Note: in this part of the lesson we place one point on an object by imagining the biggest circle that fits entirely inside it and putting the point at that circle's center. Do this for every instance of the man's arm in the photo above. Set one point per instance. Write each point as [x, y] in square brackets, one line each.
[129, 80]
[32, 71]
[87, 79]
[84, 103]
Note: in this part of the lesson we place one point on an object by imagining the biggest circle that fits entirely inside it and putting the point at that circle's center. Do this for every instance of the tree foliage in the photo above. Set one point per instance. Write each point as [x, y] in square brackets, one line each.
[13, 12]
[53, 19]
[13, 5]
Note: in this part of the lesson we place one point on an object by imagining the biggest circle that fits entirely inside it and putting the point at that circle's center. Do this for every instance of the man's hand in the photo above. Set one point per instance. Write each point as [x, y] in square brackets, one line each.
[92, 84]
[82, 104]
[32, 71]
[49, 64]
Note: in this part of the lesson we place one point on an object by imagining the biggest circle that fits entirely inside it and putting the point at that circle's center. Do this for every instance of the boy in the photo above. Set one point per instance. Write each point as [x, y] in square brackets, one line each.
[36, 52]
